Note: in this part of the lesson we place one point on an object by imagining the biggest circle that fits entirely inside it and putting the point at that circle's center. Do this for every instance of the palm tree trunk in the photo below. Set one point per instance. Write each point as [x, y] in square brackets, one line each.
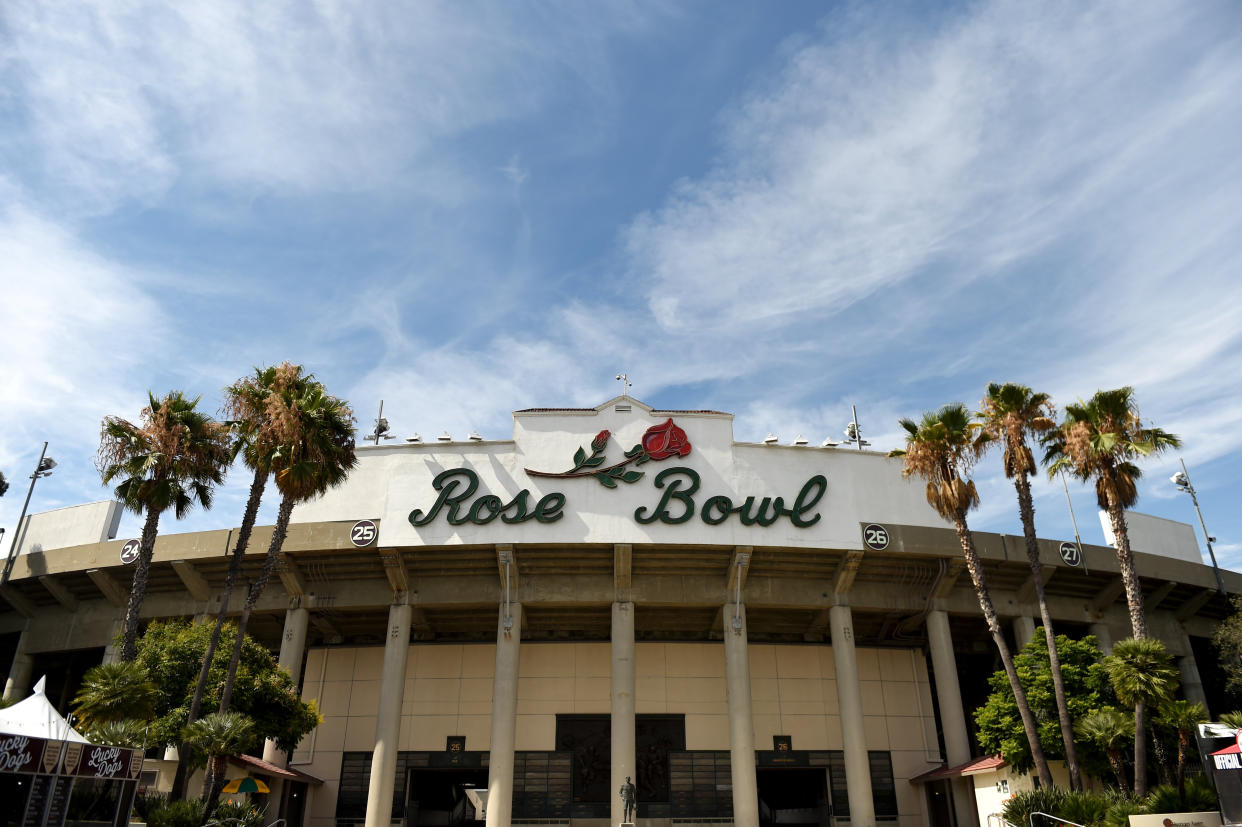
[1125, 561]
[1183, 743]
[1119, 770]
[239, 553]
[980, 582]
[256, 589]
[138, 589]
[1026, 509]
[1140, 750]
[212, 786]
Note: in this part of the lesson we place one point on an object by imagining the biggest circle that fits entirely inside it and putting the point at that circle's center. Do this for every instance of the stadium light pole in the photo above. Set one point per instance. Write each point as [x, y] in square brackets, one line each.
[43, 469]
[1182, 480]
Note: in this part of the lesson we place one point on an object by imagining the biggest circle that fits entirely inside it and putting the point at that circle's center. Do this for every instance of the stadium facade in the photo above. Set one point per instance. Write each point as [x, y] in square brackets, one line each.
[754, 633]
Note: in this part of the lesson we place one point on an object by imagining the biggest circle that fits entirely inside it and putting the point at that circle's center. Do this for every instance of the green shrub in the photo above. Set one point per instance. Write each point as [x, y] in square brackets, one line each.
[238, 815]
[175, 813]
[1119, 813]
[1018, 809]
[1085, 807]
[1200, 797]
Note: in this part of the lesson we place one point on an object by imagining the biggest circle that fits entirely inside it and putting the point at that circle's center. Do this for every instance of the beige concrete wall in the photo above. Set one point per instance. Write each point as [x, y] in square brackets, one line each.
[448, 691]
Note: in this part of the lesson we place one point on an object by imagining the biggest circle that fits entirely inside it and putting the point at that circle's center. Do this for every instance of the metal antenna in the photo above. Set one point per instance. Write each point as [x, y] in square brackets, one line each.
[853, 433]
[1074, 520]
[626, 384]
[381, 427]
[1182, 481]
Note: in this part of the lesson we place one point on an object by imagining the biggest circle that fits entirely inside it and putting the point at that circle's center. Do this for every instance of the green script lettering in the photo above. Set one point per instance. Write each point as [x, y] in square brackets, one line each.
[672, 492]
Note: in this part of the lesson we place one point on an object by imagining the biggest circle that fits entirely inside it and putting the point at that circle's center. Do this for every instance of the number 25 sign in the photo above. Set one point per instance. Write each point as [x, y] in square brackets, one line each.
[363, 533]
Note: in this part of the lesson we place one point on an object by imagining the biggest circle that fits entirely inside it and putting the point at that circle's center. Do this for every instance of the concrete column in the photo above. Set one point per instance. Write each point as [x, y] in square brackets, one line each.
[622, 703]
[112, 652]
[741, 725]
[1023, 630]
[292, 650]
[18, 682]
[504, 719]
[952, 716]
[1103, 636]
[1192, 684]
[388, 717]
[849, 701]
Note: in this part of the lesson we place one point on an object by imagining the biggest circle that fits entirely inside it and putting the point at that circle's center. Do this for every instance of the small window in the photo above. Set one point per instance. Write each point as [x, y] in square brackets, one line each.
[883, 787]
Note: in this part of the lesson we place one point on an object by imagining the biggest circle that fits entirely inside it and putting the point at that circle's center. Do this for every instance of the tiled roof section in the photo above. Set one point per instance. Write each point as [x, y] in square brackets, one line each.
[971, 767]
[556, 410]
[660, 411]
[259, 765]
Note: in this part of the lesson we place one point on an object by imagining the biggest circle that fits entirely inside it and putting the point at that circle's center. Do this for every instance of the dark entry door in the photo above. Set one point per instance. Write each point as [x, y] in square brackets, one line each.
[793, 797]
[437, 796]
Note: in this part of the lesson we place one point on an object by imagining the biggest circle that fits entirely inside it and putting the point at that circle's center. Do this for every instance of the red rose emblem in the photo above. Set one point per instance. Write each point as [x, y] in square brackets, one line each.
[663, 441]
[601, 439]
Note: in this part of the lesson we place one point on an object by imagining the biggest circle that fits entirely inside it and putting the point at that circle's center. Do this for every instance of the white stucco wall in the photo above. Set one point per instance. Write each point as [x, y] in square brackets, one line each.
[391, 480]
[73, 525]
[1156, 535]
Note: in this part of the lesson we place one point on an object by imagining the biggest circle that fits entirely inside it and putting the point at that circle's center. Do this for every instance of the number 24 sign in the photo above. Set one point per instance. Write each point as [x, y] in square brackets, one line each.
[363, 533]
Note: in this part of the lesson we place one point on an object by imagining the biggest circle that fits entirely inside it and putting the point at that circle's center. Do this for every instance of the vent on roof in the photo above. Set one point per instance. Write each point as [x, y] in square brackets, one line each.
[622, 409]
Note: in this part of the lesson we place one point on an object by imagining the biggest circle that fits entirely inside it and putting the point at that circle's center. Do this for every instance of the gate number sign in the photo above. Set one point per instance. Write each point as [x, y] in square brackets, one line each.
[1070, 554]
[129, 552]
[363, 533]
[876, 537]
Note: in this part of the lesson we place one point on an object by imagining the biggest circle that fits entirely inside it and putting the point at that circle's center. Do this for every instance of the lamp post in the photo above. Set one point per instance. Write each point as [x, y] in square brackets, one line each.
[1182, 480]
[43, 469]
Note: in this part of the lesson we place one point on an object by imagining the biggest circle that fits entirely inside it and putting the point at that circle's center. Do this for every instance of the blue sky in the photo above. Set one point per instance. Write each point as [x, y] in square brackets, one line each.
[777, 210]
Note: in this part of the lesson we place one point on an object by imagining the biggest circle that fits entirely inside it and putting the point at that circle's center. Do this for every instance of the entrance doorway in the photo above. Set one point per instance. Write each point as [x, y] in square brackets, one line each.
[940, 803]
[437, 796]
[793, 797]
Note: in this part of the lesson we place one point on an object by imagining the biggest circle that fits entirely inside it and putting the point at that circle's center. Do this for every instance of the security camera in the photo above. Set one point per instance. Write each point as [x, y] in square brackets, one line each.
[1179, 479]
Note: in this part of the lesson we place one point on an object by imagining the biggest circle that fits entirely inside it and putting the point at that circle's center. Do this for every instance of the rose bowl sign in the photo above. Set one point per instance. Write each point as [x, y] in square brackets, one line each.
[678, 502]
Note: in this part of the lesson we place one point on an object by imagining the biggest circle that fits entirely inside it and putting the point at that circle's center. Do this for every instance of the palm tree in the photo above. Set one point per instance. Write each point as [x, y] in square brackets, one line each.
[941, 449]
[246, 412]
[174, 458]
[114, 692]
[309, 438]
[218, 736]
[1141, 673]
[1233, 719]
[1011, 414]
[1109, 729]
[1099, 440]
[128, 732]
[1183, 716]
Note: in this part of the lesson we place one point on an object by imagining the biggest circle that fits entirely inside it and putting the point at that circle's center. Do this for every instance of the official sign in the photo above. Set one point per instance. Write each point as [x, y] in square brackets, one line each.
[1070, 554]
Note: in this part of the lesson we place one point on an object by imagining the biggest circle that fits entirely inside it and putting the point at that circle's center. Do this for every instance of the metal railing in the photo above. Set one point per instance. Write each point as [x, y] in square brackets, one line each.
[1054, 819]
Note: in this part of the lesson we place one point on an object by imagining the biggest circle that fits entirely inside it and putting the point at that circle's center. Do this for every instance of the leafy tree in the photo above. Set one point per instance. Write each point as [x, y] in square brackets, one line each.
[309, 439]
[4, 485]
[1099, 440]
[172, 651]
[1110, 729]
[114, 692]
[1183, 716]
[1086, 687]
[173, 458]
[1011, 415]
[1228, 640]
[941, 448]
[218, 736]
[129, 733]
[1142, 673]
[247, 413]
[1233, 719]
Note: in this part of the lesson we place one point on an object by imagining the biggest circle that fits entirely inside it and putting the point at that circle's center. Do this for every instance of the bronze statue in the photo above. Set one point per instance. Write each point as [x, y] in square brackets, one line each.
[627, 798]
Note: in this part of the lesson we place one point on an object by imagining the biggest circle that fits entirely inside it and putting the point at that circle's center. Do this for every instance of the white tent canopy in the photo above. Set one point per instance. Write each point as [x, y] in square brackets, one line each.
[37, 718]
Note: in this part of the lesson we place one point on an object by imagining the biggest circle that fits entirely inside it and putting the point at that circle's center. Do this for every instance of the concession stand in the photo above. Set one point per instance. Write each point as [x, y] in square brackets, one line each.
[50, 775]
